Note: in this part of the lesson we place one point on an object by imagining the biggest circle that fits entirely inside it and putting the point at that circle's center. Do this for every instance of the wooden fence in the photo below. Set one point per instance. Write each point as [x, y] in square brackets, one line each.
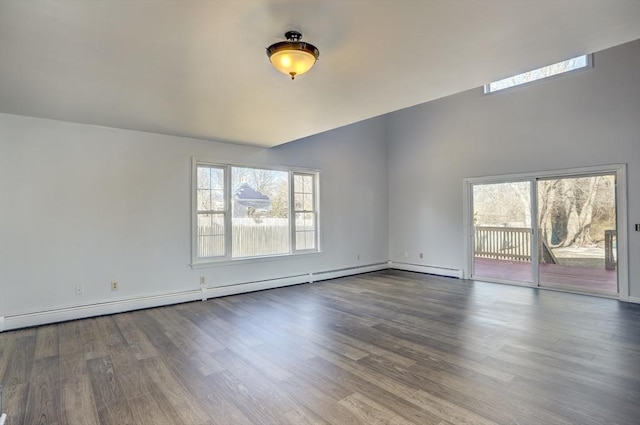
[250, 238]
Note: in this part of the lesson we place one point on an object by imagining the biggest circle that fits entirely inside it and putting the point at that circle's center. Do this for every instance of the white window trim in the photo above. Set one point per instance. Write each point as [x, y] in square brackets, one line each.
[589, 65]
[227, 259]
[293, 210]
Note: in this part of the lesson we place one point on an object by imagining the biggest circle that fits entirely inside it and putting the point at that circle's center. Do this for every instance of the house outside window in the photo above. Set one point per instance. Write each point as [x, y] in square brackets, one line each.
[247, 212]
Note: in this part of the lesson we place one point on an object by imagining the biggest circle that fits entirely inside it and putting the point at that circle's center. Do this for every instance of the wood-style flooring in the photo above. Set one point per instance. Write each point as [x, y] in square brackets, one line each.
[387, 347]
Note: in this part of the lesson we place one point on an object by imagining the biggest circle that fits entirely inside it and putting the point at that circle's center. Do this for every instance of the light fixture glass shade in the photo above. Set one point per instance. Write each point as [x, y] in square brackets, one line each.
[293, 57]
[292, 62]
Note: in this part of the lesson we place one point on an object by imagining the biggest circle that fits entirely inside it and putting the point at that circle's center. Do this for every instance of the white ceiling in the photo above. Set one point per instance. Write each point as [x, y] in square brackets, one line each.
[199, 68]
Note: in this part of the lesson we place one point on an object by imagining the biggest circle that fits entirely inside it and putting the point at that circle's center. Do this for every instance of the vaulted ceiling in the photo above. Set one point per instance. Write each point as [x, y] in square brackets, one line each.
[199, 68]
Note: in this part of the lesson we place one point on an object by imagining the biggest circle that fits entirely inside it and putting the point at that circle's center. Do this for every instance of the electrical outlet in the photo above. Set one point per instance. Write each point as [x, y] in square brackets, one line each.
[79, 290]
[637, 227]
[203, 281]
[114, 285]
[421, 255]
[358, 257]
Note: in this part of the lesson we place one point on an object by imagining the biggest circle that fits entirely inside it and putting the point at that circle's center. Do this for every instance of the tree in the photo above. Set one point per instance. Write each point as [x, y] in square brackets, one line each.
[571, 211]
[569, 207]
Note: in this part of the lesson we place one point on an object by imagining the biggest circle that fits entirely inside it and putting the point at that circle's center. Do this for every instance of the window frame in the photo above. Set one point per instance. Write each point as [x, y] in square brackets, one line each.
[293, 210]
[227, 258]
[225, 211]
[588, 65]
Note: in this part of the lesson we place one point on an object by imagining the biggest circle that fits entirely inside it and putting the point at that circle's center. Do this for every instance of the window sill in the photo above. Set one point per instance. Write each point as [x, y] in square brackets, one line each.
[252, 260]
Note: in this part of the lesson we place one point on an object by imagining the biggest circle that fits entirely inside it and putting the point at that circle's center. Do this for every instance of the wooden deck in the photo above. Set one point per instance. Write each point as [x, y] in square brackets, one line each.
[579, 279]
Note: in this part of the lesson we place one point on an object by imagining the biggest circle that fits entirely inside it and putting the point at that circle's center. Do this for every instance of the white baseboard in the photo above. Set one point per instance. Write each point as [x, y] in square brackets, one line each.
[222, 291]
[440, 271]
[111, 307]
[79, 312]
[241, 288]
[349, 271]
[98, 309]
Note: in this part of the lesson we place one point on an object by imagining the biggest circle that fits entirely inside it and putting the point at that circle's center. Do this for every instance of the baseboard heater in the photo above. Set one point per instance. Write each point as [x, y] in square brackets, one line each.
[130, 304]
[421, 268]
[259, 285]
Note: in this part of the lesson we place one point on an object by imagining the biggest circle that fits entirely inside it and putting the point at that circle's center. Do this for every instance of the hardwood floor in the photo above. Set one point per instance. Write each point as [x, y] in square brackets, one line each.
[381, 348]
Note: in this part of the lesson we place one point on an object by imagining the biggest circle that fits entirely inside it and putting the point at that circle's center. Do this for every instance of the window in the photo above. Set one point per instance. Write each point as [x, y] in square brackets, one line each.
[568, 65]
[211, 215]
[246, 212]
[305, 211]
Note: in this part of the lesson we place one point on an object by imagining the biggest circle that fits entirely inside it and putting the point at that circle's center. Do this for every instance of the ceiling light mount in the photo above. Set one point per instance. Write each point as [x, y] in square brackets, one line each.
[293, 36]
[293, 57]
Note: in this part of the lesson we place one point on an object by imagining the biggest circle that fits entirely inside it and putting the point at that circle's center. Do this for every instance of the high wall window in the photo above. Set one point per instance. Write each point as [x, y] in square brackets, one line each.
[563, 67]
[246, 212]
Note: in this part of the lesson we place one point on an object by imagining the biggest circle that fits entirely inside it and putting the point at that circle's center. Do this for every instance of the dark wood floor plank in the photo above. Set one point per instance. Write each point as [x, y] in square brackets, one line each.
[387, 347]
[46, 342]
[221, 406]
[184, 403]
[93, 345]
[303, 416]
[19, 361]
[187, 338]
[393, 395]
[73, 365]
[152, 408]
[371, 412]
[6, 345]
[78, 404]
[111, 402]
[249, 401]
[14, 403]
[134, 337]
[322, 404]
[132, 378]
[255, 380]
[43, 401]
[175, 323]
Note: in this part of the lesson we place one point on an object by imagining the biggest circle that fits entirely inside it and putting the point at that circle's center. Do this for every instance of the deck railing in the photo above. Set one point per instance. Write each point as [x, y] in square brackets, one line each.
[503, 243]
[514, 244]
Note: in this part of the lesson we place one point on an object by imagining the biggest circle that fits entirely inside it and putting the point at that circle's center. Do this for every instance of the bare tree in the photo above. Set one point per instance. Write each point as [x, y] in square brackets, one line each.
[569, 207]
[571, 211]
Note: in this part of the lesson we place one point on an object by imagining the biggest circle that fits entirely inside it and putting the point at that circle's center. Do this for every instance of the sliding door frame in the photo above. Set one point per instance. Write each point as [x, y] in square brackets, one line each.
[620, 171]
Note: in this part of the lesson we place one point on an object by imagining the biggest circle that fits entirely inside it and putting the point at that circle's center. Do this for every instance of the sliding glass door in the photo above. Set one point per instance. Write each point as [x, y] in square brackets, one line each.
[577, 243]
[502, 231]
[552, 231]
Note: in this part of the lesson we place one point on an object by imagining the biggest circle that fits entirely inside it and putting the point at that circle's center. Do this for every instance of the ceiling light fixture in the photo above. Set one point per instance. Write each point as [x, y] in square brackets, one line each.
[293, 57]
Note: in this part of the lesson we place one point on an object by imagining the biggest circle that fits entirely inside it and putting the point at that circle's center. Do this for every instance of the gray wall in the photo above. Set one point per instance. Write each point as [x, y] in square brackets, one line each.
[85, 205]
[585, 119]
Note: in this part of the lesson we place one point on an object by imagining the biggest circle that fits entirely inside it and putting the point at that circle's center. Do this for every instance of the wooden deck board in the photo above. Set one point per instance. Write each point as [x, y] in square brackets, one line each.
[577, 278]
